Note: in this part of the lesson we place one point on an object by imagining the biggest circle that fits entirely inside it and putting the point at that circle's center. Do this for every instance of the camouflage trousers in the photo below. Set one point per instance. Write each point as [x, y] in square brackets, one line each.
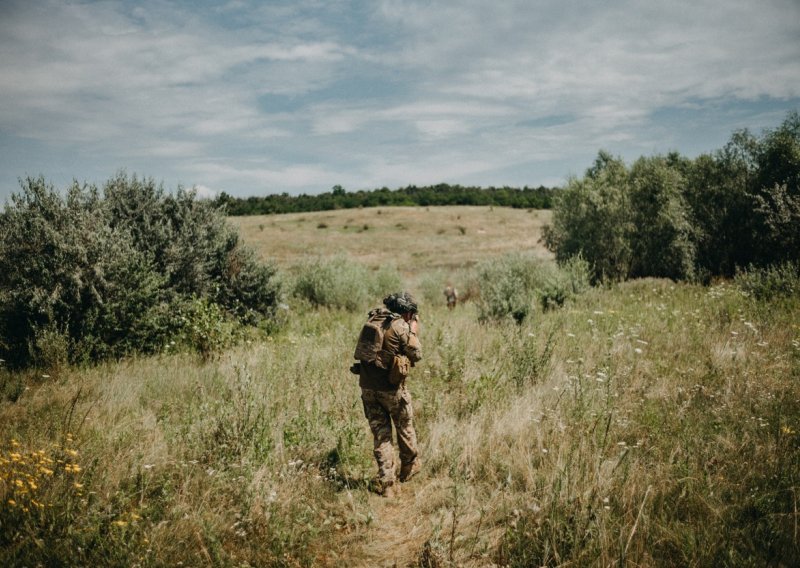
[382, 408]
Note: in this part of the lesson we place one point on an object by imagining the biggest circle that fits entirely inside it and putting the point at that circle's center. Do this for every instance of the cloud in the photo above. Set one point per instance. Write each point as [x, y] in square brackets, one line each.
[252, 97]
[204, 192]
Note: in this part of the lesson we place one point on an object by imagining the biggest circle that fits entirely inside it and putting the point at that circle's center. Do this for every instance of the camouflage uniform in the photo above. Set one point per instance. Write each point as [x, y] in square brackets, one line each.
[385, 403]
[451, 294]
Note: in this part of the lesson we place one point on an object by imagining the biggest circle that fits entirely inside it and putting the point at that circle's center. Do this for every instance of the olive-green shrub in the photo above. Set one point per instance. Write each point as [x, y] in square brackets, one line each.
[91, 274]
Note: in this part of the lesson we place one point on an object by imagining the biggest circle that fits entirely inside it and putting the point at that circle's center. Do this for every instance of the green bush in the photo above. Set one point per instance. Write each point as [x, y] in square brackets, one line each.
[204, 327]
[771, 282]
[340, 282]
[668, 216]
[87, 276]
[592, 218]
[572, 277]
[513, 285]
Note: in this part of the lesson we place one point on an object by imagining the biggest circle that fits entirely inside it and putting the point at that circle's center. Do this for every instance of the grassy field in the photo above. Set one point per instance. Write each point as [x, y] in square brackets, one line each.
[645, 424]
[413, 239]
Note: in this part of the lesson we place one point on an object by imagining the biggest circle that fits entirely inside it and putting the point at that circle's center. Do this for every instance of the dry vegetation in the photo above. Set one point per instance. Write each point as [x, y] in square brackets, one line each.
[647, 424]
[411, 238]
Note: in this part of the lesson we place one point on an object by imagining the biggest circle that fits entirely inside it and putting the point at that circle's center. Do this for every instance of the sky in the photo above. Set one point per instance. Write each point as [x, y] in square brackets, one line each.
[254, 98]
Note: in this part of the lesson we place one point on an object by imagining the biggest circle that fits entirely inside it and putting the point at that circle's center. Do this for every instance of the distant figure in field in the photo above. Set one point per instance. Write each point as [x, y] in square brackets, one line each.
[451, 294]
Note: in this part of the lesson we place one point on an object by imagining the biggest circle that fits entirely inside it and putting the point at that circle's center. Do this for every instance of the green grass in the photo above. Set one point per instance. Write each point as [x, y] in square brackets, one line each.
[645, 424]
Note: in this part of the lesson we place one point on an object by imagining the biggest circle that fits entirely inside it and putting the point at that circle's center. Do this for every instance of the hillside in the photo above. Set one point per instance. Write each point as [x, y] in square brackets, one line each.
[410, 238]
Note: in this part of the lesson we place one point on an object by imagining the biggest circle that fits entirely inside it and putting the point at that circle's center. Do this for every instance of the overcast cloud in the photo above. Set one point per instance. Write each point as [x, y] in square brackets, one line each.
[263, 97]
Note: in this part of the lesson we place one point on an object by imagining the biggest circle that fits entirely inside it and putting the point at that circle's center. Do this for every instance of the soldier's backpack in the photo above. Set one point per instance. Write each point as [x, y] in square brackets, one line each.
[370, 341]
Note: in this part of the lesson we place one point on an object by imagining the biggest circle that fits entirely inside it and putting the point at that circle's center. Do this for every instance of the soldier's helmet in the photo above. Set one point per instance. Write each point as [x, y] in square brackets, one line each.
[401, 303]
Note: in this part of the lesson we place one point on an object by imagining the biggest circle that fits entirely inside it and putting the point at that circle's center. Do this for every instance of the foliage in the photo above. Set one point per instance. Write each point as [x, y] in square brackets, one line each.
[87, 276]
[203, 326]
[770, 282]
[513, 285]
[669, 216]
[572, 277]
[592, 218]
[340, 282]
[441, 194]
[661, 235]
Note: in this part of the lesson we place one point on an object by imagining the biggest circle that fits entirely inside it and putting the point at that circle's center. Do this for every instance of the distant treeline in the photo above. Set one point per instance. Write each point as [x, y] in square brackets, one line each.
[339, 198]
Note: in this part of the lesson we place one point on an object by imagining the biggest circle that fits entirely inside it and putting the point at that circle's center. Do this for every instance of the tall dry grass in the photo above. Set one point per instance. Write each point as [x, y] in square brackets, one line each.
[648, 424]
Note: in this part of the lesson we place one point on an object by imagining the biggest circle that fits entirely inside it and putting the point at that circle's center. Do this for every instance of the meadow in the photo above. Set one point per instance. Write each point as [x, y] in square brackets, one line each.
[646, 423]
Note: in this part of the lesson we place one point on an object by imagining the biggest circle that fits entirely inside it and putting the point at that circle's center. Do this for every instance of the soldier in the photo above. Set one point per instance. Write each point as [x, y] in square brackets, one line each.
[388, 345]
[451, 294]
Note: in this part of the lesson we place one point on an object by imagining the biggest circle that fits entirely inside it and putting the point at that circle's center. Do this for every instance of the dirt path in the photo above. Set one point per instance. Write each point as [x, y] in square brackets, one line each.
[399, 530]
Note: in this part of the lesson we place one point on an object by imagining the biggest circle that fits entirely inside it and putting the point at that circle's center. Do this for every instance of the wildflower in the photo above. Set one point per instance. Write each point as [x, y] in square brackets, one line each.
[637, 350]
[46, 471]
[14, 443]
[120, 523]
[73, 453]
[787, 430]
[12, 502]
[77, 485]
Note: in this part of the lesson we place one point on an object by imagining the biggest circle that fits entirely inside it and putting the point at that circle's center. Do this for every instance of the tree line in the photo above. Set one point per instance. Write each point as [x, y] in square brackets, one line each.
[686, 219]
[339, 198]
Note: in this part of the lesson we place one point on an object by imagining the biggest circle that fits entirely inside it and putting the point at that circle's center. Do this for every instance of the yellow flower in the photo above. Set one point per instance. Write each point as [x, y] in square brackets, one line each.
[72, 453]
[12, 502]
[787, 430]
[46, 471]
[120, 523]
[77, 485]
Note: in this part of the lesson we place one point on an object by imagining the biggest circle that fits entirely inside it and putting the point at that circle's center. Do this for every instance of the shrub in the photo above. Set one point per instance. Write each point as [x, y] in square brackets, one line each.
[340, 282]
[204, 327]
[384, 281]
[512, 286]
[771, 282]
[558, 285]
[89, 276]
[336, 282]
[506, 287]
[661, 235]
[591, 217]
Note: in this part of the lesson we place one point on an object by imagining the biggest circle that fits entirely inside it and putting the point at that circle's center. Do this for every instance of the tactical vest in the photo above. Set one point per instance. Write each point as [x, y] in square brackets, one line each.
[369, 348]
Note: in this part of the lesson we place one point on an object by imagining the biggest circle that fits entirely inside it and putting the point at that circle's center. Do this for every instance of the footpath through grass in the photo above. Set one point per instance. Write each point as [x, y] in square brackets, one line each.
[648, 424]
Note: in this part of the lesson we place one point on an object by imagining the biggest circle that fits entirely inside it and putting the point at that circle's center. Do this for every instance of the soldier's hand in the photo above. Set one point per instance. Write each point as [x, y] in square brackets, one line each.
[414, 325]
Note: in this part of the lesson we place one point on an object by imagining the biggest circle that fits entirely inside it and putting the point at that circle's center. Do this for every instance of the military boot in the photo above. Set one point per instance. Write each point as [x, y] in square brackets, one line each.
[390, 490]
[409, 470]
